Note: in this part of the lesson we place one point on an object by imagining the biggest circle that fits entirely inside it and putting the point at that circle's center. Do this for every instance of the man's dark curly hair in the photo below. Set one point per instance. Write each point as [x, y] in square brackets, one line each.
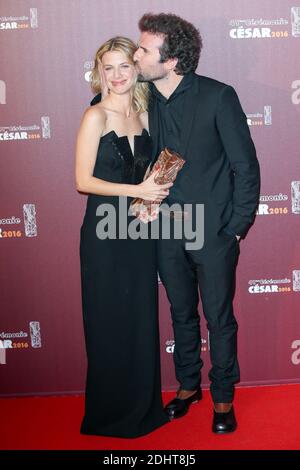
[181, 39]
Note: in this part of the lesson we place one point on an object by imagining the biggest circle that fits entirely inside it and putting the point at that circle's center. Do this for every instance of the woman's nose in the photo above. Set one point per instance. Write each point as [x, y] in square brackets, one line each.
[117, 73]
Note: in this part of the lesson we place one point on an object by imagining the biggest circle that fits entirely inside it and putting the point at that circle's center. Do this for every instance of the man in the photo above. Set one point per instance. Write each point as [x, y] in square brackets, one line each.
[202, 120]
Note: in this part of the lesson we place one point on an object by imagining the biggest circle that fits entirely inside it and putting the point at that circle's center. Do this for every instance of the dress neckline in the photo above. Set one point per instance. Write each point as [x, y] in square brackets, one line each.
[125, 137]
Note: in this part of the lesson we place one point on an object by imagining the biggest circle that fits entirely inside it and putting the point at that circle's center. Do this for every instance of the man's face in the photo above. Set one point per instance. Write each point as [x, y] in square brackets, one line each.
[147, 58]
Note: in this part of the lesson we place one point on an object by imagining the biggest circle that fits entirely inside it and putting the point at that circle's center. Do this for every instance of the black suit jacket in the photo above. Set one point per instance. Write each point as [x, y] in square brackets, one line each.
[221, 169]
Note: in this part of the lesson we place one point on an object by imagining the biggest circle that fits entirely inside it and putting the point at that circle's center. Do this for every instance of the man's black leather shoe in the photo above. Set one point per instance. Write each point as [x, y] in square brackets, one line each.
[224, 422]
[178, 407]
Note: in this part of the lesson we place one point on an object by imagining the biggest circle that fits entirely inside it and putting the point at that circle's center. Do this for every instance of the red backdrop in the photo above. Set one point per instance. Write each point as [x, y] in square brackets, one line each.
[47, 50]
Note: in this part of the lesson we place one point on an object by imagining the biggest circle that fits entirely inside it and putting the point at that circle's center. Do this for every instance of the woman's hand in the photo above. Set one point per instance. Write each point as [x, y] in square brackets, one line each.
[147, 172]
[150, 191]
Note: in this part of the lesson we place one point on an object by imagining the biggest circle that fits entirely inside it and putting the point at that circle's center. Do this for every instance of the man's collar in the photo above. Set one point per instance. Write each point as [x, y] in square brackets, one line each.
[185, 83]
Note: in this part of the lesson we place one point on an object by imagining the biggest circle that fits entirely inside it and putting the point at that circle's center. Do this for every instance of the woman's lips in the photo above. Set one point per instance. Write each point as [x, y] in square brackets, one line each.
[119, 83]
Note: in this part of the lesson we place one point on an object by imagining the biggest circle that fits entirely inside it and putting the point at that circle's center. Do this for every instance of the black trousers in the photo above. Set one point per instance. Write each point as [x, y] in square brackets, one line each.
[210, 270]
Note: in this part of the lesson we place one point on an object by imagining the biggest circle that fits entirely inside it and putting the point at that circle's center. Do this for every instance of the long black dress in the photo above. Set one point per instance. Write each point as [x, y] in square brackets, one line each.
[120, 308]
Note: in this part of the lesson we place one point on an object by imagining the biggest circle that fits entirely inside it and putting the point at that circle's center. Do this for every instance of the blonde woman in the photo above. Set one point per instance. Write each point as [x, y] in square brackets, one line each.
[119, 273]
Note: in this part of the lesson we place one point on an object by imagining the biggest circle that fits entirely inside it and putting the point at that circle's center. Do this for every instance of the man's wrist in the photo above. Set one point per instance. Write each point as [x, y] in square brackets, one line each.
[238, 237]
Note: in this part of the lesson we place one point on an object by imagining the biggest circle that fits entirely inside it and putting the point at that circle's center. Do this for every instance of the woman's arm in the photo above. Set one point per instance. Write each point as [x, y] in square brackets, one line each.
[90, 131]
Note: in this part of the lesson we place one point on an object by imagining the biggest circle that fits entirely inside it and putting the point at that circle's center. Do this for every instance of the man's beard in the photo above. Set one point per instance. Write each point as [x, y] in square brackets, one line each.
[144, 77]
[149, 78]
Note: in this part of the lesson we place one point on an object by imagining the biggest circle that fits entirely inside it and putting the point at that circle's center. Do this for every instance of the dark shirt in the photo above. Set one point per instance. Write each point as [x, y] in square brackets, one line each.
[170, 118]
[170, 122]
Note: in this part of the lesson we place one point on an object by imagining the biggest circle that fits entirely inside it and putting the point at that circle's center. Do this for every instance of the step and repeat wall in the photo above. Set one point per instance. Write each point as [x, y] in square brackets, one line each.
[47, 51]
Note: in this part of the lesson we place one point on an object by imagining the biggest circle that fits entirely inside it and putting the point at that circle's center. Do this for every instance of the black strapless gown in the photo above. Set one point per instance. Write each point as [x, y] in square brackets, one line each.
[120, 308]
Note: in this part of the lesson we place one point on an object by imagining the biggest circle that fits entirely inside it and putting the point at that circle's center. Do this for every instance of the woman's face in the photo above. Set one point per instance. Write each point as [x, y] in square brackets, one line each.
[119, 72]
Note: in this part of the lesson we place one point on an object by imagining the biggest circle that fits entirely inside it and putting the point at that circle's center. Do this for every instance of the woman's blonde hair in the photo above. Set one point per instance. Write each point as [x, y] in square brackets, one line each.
[128, 47]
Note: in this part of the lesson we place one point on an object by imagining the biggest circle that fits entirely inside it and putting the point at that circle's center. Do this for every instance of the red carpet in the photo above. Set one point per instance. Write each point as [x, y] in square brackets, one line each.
[268, 417]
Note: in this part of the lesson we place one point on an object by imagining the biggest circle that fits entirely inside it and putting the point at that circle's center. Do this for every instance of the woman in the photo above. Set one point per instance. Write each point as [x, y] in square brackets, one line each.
[119, 276]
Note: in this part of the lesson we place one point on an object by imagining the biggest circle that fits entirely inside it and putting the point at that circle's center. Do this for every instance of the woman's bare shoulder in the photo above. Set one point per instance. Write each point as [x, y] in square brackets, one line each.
[95, 113]
[94, 117]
